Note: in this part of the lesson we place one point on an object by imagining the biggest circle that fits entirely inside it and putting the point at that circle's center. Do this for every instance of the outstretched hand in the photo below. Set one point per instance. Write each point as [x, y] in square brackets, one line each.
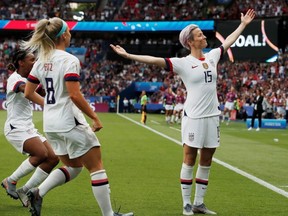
[119, 50]
[248, 17]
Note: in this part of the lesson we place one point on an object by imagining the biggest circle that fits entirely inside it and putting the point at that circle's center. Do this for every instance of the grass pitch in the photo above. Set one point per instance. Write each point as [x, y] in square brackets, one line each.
[144, 168]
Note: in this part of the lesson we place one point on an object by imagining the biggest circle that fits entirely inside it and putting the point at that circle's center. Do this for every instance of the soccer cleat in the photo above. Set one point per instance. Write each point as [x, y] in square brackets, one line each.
[23, 197]
[187, 210]
[35, 202]
[258, 129]
[250, 128]
[10, 188]
[202, 209]
[126, 214]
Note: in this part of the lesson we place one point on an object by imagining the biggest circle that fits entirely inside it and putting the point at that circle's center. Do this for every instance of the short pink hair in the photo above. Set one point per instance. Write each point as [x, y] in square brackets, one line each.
[185, 34]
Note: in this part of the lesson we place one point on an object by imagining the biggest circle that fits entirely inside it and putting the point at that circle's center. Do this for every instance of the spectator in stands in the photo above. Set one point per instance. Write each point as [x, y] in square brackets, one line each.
[112, 106]
[280, 106]
[65, 126]
[257, 109]
[267, 108]
[20, 131]
[140, 10]
[126, 105]
[200, 123]
[286, 107]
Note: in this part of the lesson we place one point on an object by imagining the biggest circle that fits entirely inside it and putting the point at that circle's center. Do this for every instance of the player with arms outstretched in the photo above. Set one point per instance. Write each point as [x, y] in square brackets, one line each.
[200, 123]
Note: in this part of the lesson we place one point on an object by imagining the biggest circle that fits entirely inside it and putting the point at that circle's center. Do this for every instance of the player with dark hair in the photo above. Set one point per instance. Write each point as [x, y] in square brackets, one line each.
[66, 128]
[200, 123]
[20, 131]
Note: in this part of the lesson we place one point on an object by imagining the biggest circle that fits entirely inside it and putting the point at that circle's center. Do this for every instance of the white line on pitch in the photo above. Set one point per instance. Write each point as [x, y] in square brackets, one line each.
[228, 166]
[155, 122]
[175, 129]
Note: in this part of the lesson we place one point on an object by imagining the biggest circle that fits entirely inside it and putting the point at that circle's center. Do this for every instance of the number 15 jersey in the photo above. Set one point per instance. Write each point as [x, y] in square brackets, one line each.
[60, 113]
[200, 79]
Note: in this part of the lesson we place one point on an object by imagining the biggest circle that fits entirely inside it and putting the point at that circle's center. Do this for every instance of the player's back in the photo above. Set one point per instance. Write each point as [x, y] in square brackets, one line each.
[59, 110]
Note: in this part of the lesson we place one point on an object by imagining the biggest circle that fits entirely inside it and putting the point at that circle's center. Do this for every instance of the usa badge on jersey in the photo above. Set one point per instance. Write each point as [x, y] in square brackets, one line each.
[205, 65]
[191, 137]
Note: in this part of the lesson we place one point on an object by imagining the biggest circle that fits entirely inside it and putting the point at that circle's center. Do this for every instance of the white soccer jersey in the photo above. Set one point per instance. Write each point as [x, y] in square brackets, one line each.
[60, 113]
[19, 109]
[199, 78]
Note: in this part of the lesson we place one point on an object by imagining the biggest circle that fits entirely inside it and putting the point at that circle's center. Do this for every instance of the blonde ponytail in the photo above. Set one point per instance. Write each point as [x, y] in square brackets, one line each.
[44, 38]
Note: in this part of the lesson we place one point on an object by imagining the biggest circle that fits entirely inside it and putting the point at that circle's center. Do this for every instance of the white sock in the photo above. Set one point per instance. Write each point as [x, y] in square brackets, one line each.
[186, 179]
[24, 169]
[176, 119]
[172, 118]
[38, 176]
[101, 191]
[168, 118]
[58, 177]
[202, 176]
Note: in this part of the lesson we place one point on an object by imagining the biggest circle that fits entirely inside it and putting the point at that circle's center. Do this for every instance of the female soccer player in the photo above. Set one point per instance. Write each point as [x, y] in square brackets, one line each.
[21, 132]
[200, 123]
[66, 128]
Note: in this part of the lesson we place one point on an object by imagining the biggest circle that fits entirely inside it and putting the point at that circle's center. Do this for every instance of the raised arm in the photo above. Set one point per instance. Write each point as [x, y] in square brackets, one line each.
[245, 20]
[140, 58]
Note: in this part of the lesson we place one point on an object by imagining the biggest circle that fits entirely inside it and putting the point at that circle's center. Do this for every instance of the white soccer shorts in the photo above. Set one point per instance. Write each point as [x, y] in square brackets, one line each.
[178, 107]
[201, 133]
[229, 105]
[75, 142]
[17, 137]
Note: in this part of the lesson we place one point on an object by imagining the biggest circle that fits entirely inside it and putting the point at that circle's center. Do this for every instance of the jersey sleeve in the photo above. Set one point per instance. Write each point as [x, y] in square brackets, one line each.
[33, 79]
[72, 73]
[16, 86]
[217, 53]
[174, 64]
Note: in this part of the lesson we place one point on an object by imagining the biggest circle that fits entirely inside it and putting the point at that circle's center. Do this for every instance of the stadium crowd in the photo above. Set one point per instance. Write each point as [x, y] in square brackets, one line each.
[104, 77]
[124, 10]
[108, 78]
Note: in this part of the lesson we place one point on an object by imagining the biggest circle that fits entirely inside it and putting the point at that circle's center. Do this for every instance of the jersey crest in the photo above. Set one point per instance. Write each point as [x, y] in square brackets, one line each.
[205, 65]
[191, 137]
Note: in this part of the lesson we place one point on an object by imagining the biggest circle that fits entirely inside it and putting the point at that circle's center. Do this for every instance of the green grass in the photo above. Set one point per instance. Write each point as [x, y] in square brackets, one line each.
[144, 169]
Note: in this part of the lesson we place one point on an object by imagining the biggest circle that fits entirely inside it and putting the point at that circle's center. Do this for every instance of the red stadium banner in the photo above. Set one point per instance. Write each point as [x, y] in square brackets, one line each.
[28, 25]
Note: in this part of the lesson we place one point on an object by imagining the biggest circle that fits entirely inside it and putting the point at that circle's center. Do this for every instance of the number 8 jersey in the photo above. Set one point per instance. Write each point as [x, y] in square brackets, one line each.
[200, 79]
[60, 113]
